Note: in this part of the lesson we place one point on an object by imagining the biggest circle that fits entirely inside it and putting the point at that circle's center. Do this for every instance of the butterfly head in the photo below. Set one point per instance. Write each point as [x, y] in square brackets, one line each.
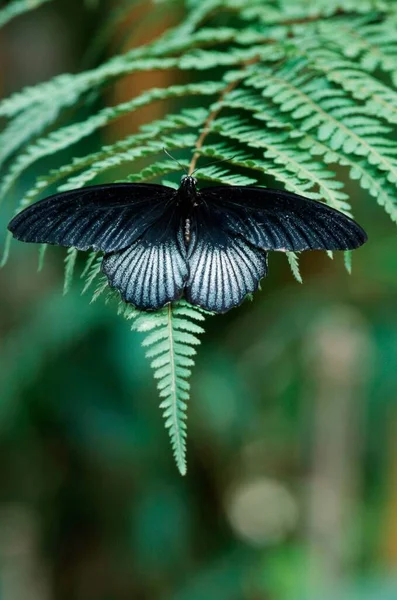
[188, 186]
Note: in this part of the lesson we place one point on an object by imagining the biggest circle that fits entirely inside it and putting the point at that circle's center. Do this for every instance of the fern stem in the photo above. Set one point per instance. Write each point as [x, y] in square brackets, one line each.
[207, 125]
[214, 113]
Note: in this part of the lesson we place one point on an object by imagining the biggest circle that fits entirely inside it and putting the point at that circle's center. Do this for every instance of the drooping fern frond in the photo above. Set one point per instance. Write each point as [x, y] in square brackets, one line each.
[70, 263]
[18, 7]
[293, 260]
[170, 341]
[42, 252]
[378, 97]
[91, 270]
[294, 167]
[291, 93]
[112, 156]
[71, 134]
[331, 116]
[370, 43]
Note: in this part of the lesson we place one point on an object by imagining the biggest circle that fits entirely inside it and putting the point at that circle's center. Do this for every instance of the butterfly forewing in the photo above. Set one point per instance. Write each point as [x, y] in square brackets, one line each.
[103, 217]
[223, 268]
[153, 270]
[279, 220]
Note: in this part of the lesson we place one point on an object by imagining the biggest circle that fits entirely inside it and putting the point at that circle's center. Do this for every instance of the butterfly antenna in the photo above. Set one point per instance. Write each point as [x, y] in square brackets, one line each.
[173, 158]
[215, 162]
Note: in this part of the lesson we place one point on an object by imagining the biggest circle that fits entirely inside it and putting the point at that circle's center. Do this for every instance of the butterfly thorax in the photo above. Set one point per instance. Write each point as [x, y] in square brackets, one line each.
[188, 191]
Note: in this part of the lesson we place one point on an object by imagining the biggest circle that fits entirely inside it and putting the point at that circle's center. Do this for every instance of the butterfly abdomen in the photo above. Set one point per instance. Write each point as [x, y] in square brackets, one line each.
[186, 231]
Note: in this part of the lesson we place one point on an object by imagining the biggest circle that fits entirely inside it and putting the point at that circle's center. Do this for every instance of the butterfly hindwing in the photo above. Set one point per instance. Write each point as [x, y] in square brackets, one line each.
[279, 220]
[102, 217]
[153, 270]
[223, 268]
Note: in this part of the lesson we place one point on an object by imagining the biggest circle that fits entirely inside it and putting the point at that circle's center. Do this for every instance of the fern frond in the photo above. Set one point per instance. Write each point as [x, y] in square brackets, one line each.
[102, 287]
[372, 45]
[332, 117]
[198, 13]
[157, 170]
[18, 7]
[185, 119]
[129, 156]
[115, 159]
[22, 128]
[92, 269]
[348, 261]
[88, 263]
[242, 99]
[229, 153]
[223, 176]
[42, 253]
[380, 99]
[171, 337]
[288, 160]
[290, 10]
[70, 263]
[71, 134]
[65, 90]
[293, 260]
[359, 170]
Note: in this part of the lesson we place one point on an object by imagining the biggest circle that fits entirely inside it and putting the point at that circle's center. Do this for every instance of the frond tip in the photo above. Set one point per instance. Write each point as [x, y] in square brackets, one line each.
[171, 337]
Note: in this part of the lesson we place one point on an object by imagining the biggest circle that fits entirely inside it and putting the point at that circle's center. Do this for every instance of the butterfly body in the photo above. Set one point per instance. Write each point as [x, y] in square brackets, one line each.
[209, 246]
[187, 191]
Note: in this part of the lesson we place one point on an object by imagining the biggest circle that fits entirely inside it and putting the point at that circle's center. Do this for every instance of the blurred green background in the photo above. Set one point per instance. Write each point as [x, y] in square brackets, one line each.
[291, 489]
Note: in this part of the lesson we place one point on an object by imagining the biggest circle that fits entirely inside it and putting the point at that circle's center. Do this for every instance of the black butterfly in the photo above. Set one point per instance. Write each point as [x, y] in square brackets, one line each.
[209, 245]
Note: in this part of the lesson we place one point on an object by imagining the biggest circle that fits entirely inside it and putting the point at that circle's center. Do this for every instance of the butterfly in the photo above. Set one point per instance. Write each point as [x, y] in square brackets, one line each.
[209, 246]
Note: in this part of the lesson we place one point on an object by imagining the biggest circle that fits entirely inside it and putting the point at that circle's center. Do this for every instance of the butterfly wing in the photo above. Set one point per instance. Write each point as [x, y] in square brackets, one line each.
[153, 270]
[102, 217]
[279, 220]
[223, 267]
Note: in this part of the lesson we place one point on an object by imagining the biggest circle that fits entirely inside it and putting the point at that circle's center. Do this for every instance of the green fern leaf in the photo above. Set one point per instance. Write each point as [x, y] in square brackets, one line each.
[18, 7]
[71, 134]
[103, 159]
[42, 252]
[348, 261]
[89, 262]
[92, 269]
[293, 260]
[100, 289]
[170, 340]
[70, 263]
[368, 177]
[288, 160]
